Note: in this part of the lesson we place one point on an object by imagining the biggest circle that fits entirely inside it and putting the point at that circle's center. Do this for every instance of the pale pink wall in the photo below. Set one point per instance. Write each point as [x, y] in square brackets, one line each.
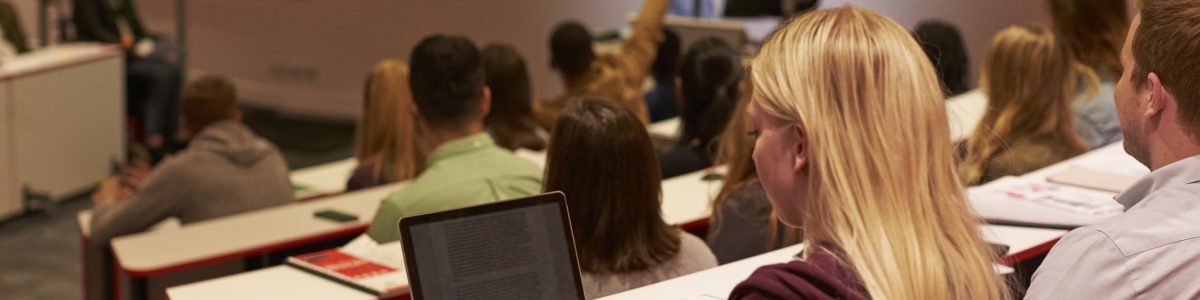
[978, 20]
[341, 39]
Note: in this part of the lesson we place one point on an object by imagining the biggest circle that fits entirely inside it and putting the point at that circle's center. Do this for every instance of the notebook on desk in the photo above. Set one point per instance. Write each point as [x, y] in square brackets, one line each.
[1092, 179]
[514, 249]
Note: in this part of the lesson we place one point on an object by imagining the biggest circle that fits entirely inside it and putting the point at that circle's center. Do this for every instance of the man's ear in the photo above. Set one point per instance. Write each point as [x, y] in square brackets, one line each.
[1160, 97]
[485, 103]
[800, 162]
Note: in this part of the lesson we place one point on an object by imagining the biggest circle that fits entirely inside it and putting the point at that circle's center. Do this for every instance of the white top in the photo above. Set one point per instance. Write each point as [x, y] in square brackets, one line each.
[278, 282]
[329, 178]
[717, 283]
[150, 252]
[693, 256]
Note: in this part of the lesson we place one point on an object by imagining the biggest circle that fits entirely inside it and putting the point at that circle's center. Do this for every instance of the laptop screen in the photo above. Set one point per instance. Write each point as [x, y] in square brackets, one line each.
[516, 249]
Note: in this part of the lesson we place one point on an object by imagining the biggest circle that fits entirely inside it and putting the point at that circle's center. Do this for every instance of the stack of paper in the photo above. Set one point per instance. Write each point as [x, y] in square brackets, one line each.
[1057, 196]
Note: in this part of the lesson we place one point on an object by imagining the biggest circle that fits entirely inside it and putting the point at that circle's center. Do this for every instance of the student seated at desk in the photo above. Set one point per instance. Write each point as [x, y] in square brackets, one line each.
[1094, 31]
[226, 169]
[743, 222]
[510, 121]
[1029, 78]
[390, 140]
[661, 100]
[152, 81]
[708, 93]
[615, 208]
[612, 77]
[466, 166]
[854, 147]
[1152, 251]
[943, 44]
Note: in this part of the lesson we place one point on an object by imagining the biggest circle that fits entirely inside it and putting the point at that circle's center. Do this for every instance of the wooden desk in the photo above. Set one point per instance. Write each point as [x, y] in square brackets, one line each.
[719, 282]
[147, 255]
[62, 120]
[325, 179]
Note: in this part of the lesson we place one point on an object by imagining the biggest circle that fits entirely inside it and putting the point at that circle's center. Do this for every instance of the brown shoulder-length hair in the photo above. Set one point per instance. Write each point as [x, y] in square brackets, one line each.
[1029, 77]
[390, 134]
[601, 157]
[511, 116]
[735, 147]
[1094, 30]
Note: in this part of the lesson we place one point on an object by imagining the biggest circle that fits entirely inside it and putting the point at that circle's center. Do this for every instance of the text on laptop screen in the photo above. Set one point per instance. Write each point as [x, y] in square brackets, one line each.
[520, 253]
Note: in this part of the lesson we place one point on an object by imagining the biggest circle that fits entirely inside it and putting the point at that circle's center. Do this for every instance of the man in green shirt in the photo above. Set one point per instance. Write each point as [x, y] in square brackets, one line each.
[466, 167]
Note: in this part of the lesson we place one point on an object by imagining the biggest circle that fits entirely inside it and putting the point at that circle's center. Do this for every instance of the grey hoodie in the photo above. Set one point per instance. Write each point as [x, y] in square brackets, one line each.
[226, 170]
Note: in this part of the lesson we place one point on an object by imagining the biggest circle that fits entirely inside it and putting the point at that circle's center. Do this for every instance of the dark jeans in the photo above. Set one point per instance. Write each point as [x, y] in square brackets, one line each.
[152, 96]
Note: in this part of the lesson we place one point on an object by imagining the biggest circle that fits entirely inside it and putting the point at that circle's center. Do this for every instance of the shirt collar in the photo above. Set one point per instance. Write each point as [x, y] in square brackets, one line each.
[1186, 171]
[461, 146]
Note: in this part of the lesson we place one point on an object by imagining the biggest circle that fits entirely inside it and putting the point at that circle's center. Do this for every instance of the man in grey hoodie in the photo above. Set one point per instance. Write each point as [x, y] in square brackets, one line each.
[226, 170]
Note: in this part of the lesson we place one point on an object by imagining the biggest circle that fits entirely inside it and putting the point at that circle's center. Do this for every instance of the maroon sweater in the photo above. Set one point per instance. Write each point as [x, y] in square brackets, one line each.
[821, 276]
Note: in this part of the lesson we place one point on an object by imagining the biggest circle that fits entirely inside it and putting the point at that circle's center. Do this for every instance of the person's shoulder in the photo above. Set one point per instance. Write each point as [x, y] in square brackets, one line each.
[695, 251]
[1153, 226]
[820, 276]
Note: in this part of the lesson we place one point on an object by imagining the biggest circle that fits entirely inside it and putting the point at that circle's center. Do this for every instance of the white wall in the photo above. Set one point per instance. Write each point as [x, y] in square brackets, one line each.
[310, 56]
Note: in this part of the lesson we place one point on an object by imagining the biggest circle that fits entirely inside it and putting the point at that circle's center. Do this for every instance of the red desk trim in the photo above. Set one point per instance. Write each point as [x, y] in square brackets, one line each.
[1019, 257]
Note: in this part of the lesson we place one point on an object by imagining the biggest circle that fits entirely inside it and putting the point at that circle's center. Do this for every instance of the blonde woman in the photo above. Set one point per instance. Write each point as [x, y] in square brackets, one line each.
[388, 146]
[854, 147]
[743, 222]
[1029, 78]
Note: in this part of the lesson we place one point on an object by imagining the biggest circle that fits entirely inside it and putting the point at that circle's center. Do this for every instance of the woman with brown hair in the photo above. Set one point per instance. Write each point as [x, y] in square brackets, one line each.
[1094, 31]
[510, 120]
[743, 223]
[1029, 77]
[615, 205]
[388, 146]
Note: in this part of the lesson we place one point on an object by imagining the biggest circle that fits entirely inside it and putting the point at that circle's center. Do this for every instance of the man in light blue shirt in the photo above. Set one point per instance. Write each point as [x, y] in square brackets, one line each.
[1152, 251]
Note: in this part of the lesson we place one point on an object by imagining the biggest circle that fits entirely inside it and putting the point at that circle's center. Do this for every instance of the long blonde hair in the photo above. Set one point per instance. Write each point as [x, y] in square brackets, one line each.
[734, 150]
[883, 193]
[1029, 78]
[389, 137]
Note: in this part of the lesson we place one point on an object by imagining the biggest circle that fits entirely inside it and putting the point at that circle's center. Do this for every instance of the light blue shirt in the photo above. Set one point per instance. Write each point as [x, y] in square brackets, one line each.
[1152, 251]
[687, 8]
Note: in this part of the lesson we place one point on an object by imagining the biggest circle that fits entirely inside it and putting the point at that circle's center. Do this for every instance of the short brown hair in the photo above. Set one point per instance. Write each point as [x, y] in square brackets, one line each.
[206, 101]
[601, 157]
[1167, 43]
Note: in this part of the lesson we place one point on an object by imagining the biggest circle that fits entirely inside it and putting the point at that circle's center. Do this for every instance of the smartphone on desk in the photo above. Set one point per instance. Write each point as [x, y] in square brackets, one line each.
[336, 216]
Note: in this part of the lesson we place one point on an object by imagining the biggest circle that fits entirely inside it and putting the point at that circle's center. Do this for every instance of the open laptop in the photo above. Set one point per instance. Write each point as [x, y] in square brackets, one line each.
[513, 249]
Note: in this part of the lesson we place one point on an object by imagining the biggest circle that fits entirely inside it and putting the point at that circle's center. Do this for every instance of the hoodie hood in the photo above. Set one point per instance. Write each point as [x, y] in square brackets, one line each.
[232, 141]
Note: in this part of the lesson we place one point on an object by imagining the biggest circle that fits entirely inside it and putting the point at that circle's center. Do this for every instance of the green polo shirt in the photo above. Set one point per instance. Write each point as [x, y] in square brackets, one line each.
[463, 172]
